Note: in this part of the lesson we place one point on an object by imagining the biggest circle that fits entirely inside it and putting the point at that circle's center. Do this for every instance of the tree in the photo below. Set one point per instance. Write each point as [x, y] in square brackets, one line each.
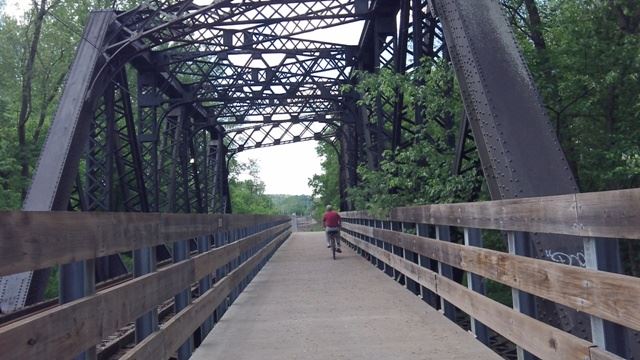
[326, 185]
[37, 50]
[39, 12]
[292, 204]
[421, 172]
[248, 196]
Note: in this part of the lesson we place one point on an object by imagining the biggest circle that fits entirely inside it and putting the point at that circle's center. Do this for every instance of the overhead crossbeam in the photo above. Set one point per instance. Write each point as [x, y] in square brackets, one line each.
[278, 133]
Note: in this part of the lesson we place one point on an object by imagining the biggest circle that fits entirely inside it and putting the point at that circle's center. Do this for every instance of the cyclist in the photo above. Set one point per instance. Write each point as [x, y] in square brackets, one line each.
[331, 222]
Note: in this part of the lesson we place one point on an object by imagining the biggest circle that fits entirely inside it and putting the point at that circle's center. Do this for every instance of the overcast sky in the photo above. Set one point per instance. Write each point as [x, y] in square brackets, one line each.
[15, 8]
[285, 169]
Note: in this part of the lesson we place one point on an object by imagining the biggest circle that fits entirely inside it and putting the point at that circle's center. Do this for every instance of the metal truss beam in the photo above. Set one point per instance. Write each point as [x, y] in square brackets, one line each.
[520, 154]
[277, 133]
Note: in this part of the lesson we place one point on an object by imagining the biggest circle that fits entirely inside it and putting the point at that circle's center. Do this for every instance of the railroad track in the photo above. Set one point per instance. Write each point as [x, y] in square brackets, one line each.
[114, 346]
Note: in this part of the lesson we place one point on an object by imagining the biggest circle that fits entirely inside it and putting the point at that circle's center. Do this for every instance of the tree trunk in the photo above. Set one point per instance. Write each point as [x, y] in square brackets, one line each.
[627, 15]
[25, 97]
[535, 25]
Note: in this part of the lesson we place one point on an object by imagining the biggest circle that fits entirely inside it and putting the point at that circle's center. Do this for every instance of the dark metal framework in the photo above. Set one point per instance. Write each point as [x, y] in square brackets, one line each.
[173, 89]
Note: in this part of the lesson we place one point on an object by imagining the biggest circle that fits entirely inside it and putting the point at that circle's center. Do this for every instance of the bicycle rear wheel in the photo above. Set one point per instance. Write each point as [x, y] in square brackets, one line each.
[333, 246]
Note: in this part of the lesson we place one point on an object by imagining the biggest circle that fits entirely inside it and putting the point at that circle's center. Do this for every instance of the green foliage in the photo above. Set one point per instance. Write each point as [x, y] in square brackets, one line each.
[326, 185]
[300, 205]
[432, 86]
[61, 31]
[247, 196]
[53, 286]
[420, 173]
[400, 181]
[589, 77]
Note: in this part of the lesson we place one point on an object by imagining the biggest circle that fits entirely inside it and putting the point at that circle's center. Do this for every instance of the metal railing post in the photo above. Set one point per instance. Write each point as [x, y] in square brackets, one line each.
[144, 262]
[77, 280]
[427, 295]
[591, 262]
[183, 298]
[473, 237]
[204, 245]
[444, 233]
[521, 302]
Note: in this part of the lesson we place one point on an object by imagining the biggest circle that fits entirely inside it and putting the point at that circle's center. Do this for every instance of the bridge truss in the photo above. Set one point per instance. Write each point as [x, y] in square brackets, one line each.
[159, 98]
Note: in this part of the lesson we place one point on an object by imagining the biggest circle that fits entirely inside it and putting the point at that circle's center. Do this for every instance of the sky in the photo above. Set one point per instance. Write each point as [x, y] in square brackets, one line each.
[16, 8]
[285, 169]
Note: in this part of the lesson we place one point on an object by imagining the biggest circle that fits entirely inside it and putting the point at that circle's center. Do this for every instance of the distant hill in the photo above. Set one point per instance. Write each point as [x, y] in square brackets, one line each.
[300, 205]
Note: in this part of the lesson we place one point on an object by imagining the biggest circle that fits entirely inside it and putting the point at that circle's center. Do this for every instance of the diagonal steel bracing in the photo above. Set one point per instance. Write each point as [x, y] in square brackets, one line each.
[170, 90]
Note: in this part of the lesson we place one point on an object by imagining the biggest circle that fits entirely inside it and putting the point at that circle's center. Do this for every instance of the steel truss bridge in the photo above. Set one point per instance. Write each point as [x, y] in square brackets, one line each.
[160, 97]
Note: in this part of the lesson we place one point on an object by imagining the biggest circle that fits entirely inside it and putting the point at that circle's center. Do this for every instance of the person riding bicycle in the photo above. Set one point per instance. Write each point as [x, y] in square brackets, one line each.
[331, 222]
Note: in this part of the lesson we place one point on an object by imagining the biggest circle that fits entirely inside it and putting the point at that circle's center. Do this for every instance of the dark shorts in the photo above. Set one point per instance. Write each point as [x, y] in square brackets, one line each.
[332, 231]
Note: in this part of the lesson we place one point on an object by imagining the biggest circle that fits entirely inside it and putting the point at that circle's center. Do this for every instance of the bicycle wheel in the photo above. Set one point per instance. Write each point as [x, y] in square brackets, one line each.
[333, 246]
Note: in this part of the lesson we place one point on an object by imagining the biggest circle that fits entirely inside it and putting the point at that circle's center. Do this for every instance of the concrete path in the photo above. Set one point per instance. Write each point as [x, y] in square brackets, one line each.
[304, 305]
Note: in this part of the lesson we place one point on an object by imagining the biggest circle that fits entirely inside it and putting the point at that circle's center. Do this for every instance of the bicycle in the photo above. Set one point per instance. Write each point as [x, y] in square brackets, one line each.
[332, 236]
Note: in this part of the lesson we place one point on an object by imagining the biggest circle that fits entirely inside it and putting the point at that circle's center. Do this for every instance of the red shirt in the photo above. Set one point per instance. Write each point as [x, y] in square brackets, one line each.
[331, 219]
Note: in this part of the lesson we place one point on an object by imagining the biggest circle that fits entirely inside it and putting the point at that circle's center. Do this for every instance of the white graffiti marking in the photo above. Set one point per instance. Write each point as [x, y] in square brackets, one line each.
[577, 259]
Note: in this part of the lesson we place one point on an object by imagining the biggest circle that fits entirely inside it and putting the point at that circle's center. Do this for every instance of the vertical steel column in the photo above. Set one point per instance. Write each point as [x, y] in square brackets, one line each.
[443, 233]
[384, 27]
[379, 243]
[605, 334]
[183, 298]
[399, 251]
[128, 158]
[149, 102]
[410, 284]
[400, 57]
[418, 53]
[522, 302]
[349, 161]
[77, 281]
[144, 262]
[186, 192]
[597, 325]
[518, 149]
[427, 295]
[217, 242]
[386, 224]
[55, 175]
[473, 237]
[220, 200]
[204, 245]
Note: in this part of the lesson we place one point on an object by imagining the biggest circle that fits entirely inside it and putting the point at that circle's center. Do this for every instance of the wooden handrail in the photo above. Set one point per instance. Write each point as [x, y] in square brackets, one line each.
[163, 343]
[610, 296]
[602, 295]
[35, 240]
[89, 320]
[611, 214]
[540, 339]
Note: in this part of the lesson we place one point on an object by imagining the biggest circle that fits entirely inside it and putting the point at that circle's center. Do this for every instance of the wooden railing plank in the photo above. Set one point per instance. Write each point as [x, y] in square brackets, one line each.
[607, 295]
[35, 240]
[164, 342]
[599, 354]
[609, 214]
[66, 330]
[535, 336]
[214, 260]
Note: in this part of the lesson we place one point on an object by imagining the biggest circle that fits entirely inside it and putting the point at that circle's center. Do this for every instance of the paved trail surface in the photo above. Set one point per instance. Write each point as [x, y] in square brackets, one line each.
[304, 305]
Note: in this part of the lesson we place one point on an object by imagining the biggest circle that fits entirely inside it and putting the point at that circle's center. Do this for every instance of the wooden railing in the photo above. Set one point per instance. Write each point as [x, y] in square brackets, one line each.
[390, 244]
[32, 240]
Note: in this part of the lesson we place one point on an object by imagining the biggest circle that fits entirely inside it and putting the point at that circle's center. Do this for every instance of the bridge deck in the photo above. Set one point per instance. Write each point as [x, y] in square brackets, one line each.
[303, 305]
